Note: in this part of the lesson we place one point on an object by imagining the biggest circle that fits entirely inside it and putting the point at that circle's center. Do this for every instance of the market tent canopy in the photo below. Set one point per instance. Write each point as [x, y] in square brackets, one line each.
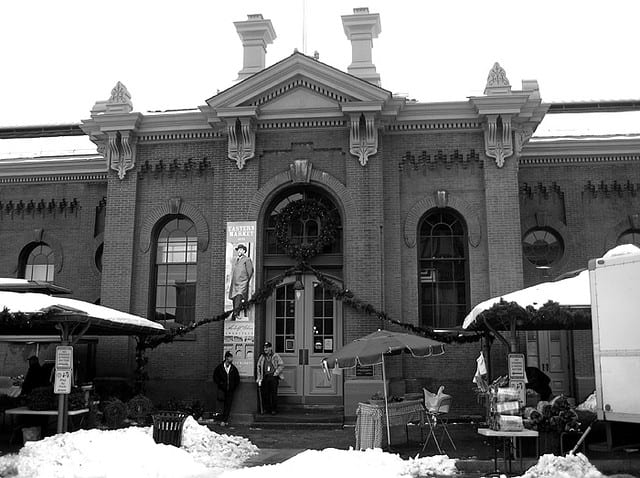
[41, 314]
[561, 304]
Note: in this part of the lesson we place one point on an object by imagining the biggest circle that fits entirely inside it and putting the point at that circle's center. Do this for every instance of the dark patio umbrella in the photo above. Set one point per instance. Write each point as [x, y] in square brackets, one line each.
[371, 349]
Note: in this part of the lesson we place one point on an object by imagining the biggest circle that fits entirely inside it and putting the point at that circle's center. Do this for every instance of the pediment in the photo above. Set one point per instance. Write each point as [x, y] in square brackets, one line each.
[297, 83]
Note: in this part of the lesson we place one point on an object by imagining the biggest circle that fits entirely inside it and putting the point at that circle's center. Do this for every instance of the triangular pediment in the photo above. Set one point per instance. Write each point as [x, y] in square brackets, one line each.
[298, 84]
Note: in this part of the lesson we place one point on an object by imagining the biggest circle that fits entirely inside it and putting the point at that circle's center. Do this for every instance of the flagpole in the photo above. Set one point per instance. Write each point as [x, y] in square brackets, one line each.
[386, 401]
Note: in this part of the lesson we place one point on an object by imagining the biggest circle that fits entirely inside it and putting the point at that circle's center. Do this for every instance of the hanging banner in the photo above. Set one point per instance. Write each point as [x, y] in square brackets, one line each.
[239, 328]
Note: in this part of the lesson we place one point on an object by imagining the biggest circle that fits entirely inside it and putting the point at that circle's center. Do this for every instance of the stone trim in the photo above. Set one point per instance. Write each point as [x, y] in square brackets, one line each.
[56, 179]
[283, 124]
[632, 221]
[439, 125]
[438, 200]
[284, 179]
[40, 235]
[579, 159]
[170, 207]
[179, 136]
[299, 83]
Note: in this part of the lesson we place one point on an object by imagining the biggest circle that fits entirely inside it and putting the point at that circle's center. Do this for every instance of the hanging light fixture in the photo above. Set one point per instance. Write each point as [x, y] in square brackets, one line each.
[298, 286]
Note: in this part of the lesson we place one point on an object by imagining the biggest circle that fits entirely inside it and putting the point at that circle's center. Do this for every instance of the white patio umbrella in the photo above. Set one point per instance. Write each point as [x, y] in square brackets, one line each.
[371, 349]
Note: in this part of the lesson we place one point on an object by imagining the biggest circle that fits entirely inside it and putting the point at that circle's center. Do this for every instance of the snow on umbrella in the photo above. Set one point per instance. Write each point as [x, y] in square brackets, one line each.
[371, 349]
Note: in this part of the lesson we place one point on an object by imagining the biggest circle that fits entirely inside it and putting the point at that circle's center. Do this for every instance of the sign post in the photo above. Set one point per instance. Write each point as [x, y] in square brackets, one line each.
[518, 376]
[62, 383]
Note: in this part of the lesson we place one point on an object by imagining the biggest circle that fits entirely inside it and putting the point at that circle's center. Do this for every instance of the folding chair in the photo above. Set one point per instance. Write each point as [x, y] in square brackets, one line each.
[437, 406]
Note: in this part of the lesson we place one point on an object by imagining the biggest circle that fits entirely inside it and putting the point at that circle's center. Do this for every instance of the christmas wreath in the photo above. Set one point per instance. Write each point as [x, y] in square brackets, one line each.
[303, 209]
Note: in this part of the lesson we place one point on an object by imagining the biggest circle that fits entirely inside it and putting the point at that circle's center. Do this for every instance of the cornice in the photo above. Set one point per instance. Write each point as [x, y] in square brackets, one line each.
[53, 169]
[581, 147]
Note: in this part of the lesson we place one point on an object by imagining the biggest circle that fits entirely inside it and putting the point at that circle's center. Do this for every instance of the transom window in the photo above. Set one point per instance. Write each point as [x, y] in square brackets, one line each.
[542, 247]
[176, 267]
[630, 236]
[442, 269]
[306, 229]
[39, 264]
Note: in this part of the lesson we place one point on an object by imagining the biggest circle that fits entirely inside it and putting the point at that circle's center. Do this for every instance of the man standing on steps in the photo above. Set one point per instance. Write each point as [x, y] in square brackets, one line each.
[269, 373]
[227, 378]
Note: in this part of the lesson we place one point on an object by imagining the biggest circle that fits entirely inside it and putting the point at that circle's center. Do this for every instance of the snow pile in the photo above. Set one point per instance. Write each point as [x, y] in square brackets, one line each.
[105, 454]
[128, 452]
[570, 466]
[372, 463]
[214, 450]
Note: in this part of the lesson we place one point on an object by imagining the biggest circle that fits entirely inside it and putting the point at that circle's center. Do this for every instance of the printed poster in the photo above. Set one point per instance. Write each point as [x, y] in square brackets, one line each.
[239, 329]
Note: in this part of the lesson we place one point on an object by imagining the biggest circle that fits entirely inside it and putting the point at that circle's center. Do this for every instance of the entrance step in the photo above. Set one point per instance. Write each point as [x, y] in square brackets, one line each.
[315, 416]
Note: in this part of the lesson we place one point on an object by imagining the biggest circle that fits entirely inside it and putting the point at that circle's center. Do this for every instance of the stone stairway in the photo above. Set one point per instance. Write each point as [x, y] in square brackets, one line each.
[302, 416]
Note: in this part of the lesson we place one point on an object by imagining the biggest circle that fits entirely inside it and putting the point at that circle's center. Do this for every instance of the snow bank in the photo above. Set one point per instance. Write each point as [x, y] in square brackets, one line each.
[570, 466]
[372, 463]
[128, 452]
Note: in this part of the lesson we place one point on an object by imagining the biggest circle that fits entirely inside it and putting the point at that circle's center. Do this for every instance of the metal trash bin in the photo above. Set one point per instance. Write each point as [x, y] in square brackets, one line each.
[167, 427]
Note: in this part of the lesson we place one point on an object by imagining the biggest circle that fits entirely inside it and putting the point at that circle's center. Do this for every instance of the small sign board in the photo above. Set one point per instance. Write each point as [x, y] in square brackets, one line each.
[64, 357]
[62, 383]
[516, 367]
[364, 370]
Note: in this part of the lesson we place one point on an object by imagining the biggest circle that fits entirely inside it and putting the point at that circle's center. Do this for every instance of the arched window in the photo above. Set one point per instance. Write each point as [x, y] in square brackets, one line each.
[442, 269]
[630, 236]
[304, 230]
[176, 250]
[542, 247]
[38, 262]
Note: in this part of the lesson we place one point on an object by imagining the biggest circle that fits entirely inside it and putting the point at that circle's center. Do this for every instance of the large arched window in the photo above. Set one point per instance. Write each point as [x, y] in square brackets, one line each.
[176, 250]
[37, 262]
[442, 269]
[304, 230]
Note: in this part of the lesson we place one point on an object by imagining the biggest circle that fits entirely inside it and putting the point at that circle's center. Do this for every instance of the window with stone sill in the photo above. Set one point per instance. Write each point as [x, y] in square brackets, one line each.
[176, 250]
[542, 247]
[442, 269]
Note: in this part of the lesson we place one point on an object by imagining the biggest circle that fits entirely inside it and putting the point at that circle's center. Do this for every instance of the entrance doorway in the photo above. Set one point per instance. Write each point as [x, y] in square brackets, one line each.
[549, 351]
[304, 324]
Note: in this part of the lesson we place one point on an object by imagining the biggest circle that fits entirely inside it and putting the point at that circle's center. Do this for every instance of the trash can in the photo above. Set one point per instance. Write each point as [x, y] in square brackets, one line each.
[167, 427]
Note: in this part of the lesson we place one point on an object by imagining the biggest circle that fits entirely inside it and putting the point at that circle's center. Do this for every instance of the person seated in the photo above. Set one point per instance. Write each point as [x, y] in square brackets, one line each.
[37, 376]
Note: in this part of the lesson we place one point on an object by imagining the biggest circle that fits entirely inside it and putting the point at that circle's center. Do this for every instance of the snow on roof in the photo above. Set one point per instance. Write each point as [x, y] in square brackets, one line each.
[46, 146]
[34, 303]
[604, 125]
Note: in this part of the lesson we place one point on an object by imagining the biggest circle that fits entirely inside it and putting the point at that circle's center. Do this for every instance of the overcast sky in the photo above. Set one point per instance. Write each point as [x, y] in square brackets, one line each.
[60, 57]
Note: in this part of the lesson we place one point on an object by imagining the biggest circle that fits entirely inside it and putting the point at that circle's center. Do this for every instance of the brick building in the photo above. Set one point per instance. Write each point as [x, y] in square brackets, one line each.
[438, 207]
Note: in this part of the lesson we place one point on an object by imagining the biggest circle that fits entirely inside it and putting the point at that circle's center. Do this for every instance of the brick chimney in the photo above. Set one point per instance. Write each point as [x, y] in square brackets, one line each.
[361, 28]
[255, 33]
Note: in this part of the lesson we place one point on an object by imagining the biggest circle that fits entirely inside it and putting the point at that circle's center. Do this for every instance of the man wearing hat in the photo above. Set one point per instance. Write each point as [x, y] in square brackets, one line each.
[269, 373]
[241, 274]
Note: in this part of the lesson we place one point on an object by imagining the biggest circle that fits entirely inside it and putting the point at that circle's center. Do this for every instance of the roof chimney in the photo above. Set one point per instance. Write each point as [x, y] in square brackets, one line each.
[361, 28]
[255, 33]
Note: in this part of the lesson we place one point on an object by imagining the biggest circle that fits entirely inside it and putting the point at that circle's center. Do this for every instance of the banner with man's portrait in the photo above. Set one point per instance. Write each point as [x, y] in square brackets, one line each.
[239, 327]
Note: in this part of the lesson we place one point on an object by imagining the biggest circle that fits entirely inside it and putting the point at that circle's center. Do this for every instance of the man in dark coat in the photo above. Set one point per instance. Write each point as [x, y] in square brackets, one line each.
[227, 378]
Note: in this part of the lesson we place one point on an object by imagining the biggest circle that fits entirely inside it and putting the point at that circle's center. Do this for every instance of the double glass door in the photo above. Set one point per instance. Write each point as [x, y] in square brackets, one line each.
[304, 324]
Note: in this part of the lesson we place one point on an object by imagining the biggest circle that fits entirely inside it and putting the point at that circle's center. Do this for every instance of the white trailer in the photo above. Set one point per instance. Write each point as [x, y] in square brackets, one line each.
[615, 315]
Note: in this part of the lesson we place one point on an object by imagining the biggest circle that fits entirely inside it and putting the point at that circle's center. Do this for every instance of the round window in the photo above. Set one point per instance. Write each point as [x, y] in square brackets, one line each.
[542, 247]
[630, 236]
